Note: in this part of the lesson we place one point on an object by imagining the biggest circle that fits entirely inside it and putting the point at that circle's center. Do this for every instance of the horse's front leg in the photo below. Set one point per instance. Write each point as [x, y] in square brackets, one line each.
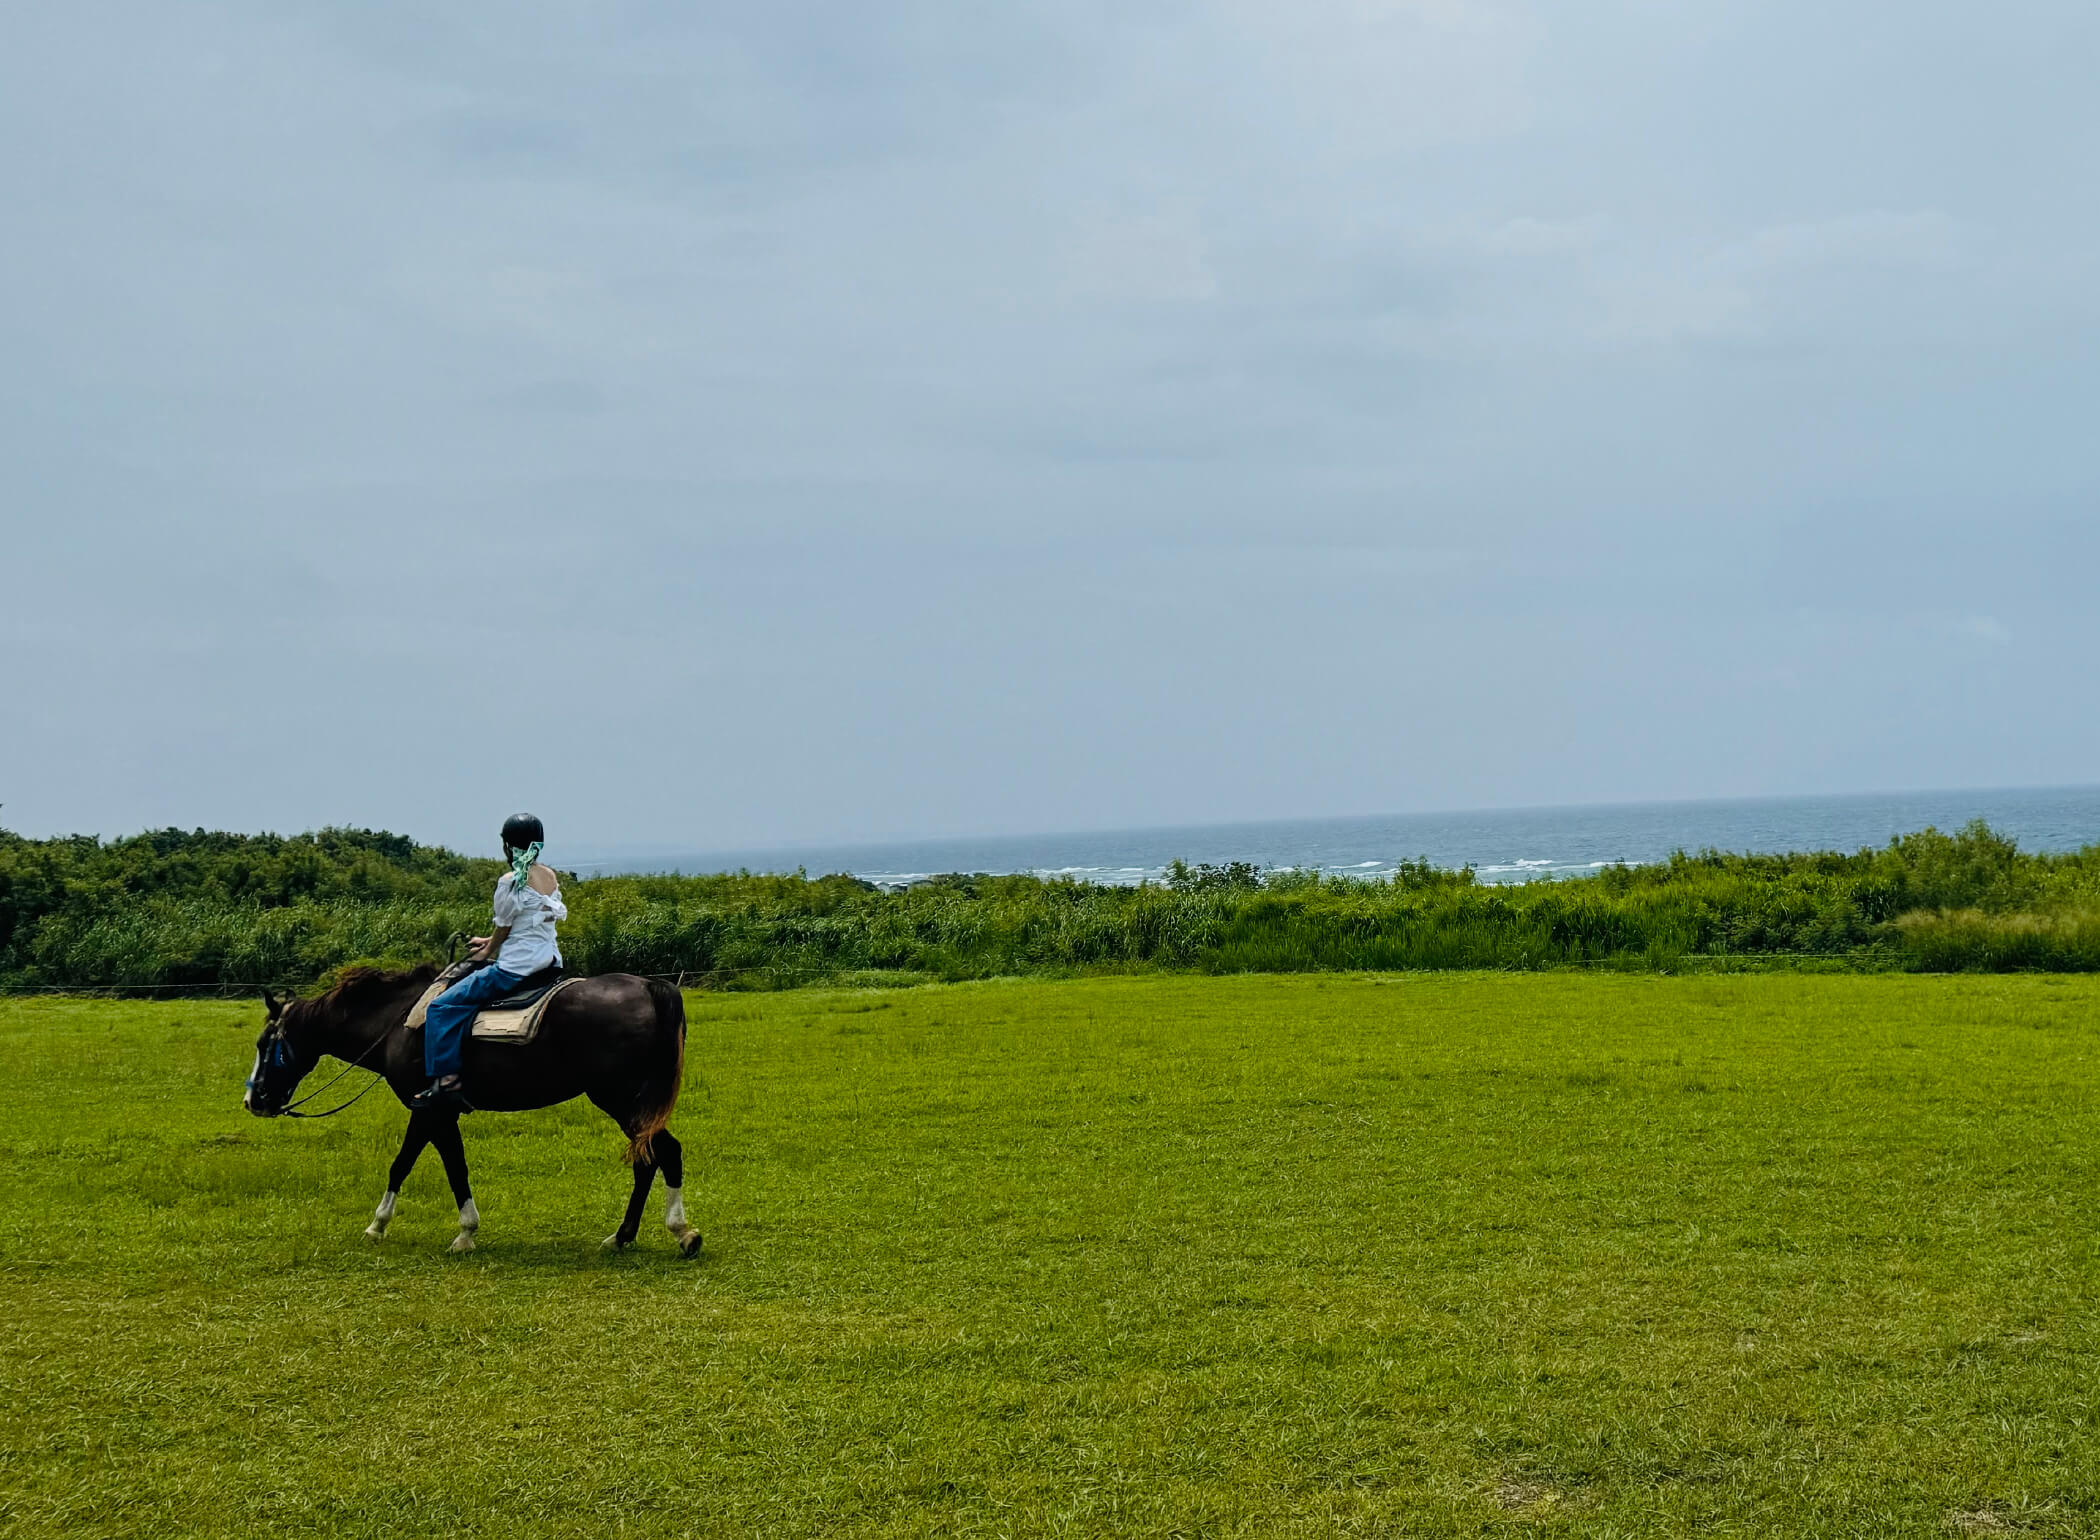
[412, 1141]
[452, 1150]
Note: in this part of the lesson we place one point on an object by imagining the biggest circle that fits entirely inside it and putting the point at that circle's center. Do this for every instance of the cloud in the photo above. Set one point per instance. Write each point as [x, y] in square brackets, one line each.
[1601, 280]
[1986, 629]
[1526, 236]
[1868, 238]
[1395, 75]
[1159, 256]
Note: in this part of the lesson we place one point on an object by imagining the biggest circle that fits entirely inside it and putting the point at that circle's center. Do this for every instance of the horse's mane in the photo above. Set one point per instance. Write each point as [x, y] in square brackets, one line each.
[361, 989]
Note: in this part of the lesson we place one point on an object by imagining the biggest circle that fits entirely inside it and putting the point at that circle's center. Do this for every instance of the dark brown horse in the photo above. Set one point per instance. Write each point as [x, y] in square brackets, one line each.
[618, 1039]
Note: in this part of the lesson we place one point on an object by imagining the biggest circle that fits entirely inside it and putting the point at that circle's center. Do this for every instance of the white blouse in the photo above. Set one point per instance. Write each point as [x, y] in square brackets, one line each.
[531, 916]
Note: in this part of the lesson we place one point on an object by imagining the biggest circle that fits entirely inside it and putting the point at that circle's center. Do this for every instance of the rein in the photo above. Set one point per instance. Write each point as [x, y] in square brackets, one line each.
[291, 1109]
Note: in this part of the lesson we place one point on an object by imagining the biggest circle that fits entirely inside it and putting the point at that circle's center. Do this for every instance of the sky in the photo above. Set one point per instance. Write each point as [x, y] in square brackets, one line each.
[804, 421]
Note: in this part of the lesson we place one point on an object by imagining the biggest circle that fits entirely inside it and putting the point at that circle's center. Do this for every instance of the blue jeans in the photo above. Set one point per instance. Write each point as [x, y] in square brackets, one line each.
[451, 1013]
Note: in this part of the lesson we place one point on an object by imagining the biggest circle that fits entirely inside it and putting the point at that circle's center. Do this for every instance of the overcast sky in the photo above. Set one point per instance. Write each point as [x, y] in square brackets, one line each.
[746, 423]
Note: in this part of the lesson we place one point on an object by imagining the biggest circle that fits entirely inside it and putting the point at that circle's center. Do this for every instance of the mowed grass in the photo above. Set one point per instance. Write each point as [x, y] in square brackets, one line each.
[1433, 1255]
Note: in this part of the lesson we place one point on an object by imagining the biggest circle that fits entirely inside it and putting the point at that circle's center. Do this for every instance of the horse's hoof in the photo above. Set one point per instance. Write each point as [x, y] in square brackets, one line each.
[689, 1244]
[462, 1242]
[617, 1242]
[375, 1233]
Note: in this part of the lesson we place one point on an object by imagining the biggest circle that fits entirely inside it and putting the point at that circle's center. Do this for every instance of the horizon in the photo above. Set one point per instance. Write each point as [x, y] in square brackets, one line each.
[1604, 805]
[606, 858]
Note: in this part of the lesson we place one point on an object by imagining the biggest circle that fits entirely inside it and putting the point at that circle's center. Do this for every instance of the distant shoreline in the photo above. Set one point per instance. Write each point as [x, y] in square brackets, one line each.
[1502, 845]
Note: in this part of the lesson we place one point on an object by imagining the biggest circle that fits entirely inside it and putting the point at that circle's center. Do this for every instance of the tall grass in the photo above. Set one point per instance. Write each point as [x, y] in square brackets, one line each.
[1929, 901]
[1969, 940]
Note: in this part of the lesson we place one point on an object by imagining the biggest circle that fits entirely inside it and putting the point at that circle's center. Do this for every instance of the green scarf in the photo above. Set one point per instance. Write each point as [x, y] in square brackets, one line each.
[521, 866]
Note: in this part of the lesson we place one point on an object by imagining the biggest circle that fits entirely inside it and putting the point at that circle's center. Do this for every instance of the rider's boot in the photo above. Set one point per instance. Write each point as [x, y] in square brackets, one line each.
[445, 1091]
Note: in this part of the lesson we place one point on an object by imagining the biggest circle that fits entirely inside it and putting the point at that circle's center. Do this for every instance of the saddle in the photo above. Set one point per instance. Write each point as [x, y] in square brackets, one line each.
[511, 1018]
[528, 993]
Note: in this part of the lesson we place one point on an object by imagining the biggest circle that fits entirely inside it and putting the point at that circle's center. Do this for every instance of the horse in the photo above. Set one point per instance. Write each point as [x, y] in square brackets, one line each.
[617, 1039]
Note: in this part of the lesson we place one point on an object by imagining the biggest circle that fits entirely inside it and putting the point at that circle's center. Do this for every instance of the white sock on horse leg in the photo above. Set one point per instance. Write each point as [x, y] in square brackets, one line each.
[674, 1210]
[469, 1222]
[382, 1216]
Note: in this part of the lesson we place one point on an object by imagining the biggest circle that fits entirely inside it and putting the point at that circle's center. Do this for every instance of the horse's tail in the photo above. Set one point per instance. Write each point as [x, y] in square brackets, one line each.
[658, 1097]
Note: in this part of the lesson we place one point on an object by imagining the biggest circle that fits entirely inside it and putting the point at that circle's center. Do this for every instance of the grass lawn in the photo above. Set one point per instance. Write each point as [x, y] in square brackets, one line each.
[1429, 1255]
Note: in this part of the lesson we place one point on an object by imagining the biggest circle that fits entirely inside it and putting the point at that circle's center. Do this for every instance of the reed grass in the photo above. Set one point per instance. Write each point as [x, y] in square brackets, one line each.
[207, 911]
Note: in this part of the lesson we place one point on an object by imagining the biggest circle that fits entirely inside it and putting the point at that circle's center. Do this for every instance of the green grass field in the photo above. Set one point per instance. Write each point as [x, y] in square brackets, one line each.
[1439, 1255]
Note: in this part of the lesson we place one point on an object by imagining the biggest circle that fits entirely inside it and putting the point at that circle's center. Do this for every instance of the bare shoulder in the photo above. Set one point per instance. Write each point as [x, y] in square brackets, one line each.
[543, 879]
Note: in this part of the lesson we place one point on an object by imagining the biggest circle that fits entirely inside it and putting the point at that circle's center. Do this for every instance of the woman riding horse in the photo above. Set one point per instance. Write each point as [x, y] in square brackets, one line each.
[519, 944]
[617, 1038]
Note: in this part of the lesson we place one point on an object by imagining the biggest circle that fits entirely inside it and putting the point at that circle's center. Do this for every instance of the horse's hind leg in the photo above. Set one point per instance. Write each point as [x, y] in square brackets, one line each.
[453, 1151]
[644, 1175]
[670, 1155]
[412, 1141]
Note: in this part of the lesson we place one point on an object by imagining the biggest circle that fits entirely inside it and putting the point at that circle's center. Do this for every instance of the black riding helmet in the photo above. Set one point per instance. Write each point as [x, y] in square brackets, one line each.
[521, 830]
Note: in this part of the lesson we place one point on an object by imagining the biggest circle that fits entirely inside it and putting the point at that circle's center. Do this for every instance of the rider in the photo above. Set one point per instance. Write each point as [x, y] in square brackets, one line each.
[521, 943]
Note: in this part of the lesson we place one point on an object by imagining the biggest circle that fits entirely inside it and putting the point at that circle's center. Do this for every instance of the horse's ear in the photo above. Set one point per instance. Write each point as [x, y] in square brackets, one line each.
[272, 1004]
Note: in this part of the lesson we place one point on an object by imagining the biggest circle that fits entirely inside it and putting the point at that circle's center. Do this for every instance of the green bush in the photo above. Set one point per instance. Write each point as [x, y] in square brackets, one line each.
[205, 910]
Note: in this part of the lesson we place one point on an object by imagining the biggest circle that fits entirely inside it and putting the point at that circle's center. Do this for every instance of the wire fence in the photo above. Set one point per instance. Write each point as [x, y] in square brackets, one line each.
[769, 977]
[708, 978]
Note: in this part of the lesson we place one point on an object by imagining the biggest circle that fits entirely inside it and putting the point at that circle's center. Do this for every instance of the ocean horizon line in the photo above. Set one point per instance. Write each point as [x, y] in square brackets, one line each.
[621, 848]
[1500, 844]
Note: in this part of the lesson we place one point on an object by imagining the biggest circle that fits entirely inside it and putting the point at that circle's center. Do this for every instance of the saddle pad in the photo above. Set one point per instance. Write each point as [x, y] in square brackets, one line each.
[516, 1026]
[493, 1026]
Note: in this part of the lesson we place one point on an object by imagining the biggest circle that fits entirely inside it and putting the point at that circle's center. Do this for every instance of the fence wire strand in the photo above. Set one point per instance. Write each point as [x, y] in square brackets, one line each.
[689, 979]
[714, 978]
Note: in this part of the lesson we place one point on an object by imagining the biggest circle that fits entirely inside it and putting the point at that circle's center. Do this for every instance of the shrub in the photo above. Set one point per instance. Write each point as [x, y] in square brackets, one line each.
[175, 909]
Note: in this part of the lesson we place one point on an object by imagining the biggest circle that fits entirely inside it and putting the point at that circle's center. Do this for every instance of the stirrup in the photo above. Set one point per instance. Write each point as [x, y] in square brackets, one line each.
[444, 1093]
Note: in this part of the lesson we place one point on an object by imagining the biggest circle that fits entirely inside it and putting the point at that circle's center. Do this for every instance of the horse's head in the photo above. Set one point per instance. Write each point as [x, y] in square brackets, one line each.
[282, 1060]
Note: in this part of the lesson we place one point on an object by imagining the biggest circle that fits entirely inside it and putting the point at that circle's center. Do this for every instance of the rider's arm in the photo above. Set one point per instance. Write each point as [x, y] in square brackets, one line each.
[505, 907]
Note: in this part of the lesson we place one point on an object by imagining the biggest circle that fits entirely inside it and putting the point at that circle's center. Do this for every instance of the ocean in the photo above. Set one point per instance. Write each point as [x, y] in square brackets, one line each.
[1501, 845]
